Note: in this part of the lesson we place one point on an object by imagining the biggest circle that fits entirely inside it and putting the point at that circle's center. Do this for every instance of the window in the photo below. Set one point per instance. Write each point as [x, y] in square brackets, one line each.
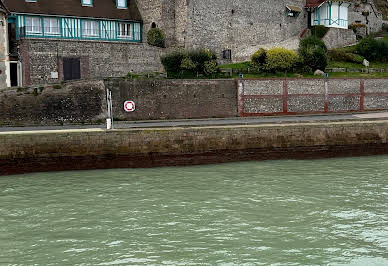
[31, 1]
[121, 3]
[51, 26]
[124, 30]
[33, 25]
[87, 2]
[90, 28]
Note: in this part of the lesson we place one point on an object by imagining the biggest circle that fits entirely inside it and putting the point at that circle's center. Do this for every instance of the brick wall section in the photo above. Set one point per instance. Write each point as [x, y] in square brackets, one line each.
[304, 96]
[80, 102]
[88, 149]
[174, 99]
[98, 59]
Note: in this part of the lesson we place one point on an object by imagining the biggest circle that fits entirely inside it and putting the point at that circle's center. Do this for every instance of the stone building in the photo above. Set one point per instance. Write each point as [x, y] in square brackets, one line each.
[4, 58]
[51, 41]
[240, 27]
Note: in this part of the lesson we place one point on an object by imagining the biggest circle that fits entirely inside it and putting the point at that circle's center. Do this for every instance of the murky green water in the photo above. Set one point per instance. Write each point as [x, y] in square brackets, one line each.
[319, 212]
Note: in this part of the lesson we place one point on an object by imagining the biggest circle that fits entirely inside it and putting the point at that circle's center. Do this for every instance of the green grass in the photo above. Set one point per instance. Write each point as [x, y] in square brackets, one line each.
[236, 65]
[310, 75]
[336, 64]
[386, 38]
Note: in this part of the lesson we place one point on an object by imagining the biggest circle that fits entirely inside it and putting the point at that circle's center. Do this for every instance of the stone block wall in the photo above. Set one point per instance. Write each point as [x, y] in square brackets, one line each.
[242, 24]
[98, 59]
[336, 38]
[174, 99]
[304, 96]
[79, 102]
[374, 21]
[22, 152]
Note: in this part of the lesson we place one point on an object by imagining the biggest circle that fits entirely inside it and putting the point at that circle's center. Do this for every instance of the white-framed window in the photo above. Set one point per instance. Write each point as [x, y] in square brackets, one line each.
[51, 26]
[121, 3]
[124, 30]
[33, 25]
[87, 2]
[90, 28]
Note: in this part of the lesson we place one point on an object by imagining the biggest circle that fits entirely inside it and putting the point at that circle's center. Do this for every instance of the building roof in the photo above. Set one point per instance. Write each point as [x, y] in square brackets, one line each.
[3, 8]
[100, 9]
[317, 3]
[314, 3]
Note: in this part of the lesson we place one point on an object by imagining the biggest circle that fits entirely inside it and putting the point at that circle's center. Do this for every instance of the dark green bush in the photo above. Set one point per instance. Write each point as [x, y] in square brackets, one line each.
[313, 53]
[172, 62]
[259, 59]
[373, 50]
[382, 50]
[343, 55]
[200, 61]
[155, 37]
[319, 31]
[200, 56]
[368, 48]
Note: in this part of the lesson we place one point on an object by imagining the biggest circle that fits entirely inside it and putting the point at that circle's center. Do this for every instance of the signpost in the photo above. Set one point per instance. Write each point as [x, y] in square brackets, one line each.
[129, 106]
[109, 120]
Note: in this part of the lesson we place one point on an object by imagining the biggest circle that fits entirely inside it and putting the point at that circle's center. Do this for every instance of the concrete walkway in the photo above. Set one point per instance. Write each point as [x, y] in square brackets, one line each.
[214, 122]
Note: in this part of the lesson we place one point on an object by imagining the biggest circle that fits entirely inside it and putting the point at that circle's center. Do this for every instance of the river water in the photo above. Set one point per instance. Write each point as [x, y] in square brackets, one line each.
[315, 212]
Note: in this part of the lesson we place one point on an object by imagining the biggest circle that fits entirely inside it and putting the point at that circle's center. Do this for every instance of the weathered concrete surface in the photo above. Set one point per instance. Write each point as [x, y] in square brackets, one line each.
[77, 102]
[174, 99]
[95, 148]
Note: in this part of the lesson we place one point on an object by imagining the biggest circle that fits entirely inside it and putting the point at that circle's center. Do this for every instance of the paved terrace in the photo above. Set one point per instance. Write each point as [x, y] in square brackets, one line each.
[213, 122]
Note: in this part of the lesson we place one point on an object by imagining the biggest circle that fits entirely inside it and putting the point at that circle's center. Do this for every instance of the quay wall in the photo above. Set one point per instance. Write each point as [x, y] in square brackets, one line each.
[23, 152]
[84, 102]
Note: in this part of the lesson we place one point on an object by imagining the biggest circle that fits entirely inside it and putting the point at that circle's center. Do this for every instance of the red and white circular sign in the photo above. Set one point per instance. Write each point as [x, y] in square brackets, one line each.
[129, 106]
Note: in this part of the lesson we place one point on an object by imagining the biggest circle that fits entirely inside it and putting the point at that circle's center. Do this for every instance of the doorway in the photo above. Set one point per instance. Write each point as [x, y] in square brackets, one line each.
[14, 74]
[71, 68]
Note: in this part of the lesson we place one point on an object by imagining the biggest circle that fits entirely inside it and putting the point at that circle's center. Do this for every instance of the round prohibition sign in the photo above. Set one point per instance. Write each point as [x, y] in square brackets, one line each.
[129, 106]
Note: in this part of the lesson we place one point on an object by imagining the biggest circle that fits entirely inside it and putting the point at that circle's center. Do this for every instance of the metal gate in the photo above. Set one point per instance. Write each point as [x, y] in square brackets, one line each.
[71, 68]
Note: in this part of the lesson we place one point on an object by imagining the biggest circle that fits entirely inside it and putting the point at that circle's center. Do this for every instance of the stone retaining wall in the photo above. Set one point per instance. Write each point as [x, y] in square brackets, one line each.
[69, 103]
[96, 149]
[304, 96]
[174, 99]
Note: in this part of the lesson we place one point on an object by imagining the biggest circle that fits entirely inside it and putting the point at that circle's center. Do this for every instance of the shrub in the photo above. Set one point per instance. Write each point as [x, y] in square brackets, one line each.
[187, 64]
[313, 53]
[368, 47]
[319, 31]
[382, 50]
[259, 59]
[210, 67]
[281, 59]
[172, 62]
[155, 37]
[195, 61]
[200, 56]
[341, 54]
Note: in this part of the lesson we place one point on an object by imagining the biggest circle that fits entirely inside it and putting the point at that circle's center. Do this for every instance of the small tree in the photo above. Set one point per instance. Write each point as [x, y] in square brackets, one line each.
[155, 37]
[259, 59]
[313, 53]
[172, 62]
